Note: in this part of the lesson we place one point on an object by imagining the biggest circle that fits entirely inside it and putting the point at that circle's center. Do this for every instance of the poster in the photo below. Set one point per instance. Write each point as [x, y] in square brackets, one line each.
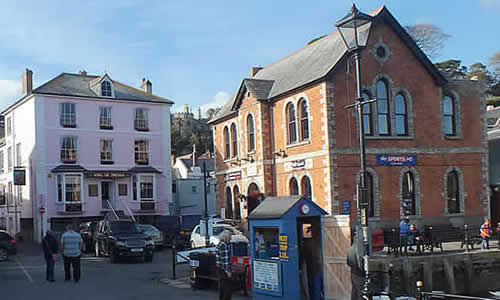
[283, 240]
[266, 275]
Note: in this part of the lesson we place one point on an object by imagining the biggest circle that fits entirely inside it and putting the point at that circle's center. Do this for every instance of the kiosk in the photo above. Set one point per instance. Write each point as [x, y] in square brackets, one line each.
[285, 248]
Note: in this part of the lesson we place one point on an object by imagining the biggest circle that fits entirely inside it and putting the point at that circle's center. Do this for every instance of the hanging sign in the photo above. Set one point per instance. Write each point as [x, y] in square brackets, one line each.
[396, 160]
[283, 240]
[19, 177]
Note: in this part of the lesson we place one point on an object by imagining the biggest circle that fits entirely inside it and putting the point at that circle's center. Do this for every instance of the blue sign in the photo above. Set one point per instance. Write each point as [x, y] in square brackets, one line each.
[346, 207]
[396, 160]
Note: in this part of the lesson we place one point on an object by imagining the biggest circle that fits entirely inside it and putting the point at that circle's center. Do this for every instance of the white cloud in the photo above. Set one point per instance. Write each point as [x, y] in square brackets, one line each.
[221, 98]
[10, 91]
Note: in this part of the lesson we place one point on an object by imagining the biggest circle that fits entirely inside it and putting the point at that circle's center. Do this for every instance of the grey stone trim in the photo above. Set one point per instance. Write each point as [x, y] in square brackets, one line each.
[461, 191]
[388, 52]
[410, 115]
[376, 191]
[458, 113]
[450, 150]
[418, 193]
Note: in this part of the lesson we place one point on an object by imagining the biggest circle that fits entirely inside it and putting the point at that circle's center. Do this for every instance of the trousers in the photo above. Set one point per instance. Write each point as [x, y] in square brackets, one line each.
[225, 289]
[50, 267]
[72, 262]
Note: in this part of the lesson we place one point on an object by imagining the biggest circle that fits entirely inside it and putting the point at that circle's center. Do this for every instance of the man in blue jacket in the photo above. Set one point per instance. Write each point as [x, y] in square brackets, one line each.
[50, 249]
[404, 232]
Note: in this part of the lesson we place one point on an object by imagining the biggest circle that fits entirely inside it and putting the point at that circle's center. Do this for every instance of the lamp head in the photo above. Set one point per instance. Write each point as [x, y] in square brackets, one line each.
[354, 29]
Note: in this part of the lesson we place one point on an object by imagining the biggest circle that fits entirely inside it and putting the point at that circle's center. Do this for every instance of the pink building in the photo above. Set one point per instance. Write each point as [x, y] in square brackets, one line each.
[91, 147]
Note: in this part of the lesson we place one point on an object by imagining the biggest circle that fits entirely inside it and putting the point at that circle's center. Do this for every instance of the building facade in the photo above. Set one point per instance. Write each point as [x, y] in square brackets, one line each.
[90, 147]
[287, 131]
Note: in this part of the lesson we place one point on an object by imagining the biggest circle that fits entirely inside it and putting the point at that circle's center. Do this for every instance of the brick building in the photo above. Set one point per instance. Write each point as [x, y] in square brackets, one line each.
[287, 131]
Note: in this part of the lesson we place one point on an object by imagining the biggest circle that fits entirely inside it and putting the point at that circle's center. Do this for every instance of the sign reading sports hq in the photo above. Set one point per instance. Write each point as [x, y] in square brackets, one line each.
[396, 160]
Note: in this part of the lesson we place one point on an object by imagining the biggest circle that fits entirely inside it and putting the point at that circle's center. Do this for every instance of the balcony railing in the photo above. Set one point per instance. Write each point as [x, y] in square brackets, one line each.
[69, 208]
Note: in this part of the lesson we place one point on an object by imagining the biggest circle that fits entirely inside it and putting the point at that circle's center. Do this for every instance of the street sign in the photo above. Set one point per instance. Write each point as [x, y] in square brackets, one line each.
[396, 160]
[346, 207]
[42, 210]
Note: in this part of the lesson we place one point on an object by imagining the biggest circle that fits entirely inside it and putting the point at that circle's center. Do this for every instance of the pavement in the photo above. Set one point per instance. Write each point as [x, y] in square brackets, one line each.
[23, 277]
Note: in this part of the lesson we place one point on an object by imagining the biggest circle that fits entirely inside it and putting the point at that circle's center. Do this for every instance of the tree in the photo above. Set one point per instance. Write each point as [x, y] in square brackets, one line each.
[429, 38]
[453, 68]
[210, 113]
[495, 61]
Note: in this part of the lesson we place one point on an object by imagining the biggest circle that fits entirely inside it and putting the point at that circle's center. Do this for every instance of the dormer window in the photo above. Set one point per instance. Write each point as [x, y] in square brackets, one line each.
[106, 89]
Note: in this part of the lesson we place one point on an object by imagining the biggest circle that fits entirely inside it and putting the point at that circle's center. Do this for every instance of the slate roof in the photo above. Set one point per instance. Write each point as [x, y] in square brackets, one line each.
[314, 62]
[145, 169]
[69, 168]
[274, 207]
[78, 85]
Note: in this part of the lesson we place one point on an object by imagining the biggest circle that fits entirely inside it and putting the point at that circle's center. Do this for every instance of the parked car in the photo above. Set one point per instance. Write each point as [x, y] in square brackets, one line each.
[154, 233]
[87, 231]
[123, 238]
[177, 229]
[198, 240]
[7, 245]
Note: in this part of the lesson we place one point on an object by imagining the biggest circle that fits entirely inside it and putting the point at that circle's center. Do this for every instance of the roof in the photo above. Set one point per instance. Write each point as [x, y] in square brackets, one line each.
[145, 169]
[69, 168]
[274, 207]
[314, 62]
[209, 163]
[78, 85]
[80, 169]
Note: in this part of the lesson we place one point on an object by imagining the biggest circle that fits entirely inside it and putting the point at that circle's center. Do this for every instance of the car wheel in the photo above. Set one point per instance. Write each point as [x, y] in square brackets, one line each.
[97, 253]
[3, 254]
[193, 245]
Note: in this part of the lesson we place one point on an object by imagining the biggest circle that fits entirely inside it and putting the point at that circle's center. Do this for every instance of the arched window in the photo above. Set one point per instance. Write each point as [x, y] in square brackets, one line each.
[370, 194]
[251, 133]
[106, 89]
[229, 203]
[227, 153]
[401, 114]
[383, 119]
[236, 192]
[408, 204]
[234, 140]
[453, 196]
[294, 187]
[292, 126]
[252, 197]
[449, 116]
[304, 120]
[305, 186]
[367, 116]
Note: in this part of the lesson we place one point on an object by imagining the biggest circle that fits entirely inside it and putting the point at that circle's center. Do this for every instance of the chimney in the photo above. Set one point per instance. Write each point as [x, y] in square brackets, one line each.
[254, 70]
[199, 113]
[27, 79]
[147, 86]
[195, 156]
[83, 72]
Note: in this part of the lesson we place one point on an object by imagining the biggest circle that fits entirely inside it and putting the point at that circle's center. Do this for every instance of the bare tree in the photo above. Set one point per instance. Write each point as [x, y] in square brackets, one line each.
[429, 38]
[495, 61]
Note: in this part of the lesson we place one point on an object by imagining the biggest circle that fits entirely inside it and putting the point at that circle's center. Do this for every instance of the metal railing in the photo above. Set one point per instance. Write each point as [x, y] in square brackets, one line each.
[421, 295]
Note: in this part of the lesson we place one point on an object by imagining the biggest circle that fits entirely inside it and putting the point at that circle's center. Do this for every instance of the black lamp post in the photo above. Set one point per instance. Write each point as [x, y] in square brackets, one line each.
[354, 29]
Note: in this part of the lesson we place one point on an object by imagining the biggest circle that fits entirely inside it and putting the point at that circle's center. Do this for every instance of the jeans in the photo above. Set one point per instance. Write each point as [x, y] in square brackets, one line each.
[50, 267]
[72, 262]
[225, 288]
[485, 244]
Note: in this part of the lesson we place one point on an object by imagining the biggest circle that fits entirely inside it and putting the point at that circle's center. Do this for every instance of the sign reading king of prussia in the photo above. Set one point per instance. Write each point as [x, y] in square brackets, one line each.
[396, 160]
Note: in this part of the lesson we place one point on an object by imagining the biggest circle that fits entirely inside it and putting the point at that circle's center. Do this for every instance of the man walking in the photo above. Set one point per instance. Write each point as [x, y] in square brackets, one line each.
[485, 232]
[223, 261]
[404, 232]
[50, 249]
[71, 248]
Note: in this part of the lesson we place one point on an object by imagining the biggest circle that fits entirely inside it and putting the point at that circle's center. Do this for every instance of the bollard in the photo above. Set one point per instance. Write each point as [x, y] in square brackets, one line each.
[420, 295]
[174, 261]
[466, 232]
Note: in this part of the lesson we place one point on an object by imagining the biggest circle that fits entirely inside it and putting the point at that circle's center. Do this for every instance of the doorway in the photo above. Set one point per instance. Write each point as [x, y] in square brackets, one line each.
[107, 198]
[310, 259]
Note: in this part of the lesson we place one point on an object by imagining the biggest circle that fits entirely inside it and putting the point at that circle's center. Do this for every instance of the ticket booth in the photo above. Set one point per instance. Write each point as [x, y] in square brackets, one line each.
[285, 247]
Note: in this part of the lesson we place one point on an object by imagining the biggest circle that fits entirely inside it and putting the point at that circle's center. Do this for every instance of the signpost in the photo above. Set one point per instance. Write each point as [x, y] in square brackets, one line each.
[396, 160]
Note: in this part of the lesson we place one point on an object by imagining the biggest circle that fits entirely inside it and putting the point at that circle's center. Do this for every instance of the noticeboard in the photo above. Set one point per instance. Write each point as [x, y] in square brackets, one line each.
[19, 177]
[283, 244]
[267, 277]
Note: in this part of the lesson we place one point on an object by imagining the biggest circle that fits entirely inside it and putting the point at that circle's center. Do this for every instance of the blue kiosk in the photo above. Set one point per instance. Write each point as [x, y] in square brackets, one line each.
[285, 248]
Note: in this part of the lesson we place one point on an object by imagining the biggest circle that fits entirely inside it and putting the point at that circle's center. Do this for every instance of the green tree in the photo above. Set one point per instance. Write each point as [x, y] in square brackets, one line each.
[453, 68]
[495, 61]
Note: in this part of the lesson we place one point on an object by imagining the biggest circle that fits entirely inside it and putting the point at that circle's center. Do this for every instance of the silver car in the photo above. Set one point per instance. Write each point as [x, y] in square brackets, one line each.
[153, 232]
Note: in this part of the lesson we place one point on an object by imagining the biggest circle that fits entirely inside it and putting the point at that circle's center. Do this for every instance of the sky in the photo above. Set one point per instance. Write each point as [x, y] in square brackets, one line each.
[197, 52]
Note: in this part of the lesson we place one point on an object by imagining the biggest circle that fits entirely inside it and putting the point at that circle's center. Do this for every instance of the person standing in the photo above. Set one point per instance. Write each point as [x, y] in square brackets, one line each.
[404, 232]
[485, 232]
[223, 261]
[71, 248]
[50, 250]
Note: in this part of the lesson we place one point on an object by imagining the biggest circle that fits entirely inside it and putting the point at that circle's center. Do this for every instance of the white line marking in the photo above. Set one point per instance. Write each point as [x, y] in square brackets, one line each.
[25, 272]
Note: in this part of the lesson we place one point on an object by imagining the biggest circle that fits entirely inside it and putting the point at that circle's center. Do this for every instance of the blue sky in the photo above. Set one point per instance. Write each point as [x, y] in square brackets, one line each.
[197, 52]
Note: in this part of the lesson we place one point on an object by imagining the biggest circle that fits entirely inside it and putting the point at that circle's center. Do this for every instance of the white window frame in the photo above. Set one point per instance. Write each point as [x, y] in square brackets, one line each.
[141, 124]
[139, 162]
[69, 149]
[2, 163]
[9, 158]
[105, 117]
[63, 188]
[138, 179]
[106, 153]
[67, 118]
[8, 126]
[103, 90]
[19, 157]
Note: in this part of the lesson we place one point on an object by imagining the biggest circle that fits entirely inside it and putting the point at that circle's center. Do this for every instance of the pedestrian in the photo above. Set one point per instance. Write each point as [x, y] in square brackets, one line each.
[413, 237]
[355, 262]
[485, 232]
[71, 248]
[404, 232]
[50, 250]
[224, 270]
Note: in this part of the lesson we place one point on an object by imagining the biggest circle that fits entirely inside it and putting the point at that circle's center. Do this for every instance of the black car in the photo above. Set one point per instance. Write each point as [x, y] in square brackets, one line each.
[7, 245]
[87, 231]
[123, 238]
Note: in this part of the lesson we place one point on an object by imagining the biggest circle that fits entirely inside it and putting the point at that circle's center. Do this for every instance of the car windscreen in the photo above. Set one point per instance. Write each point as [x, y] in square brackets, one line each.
[149, 228]
[219, 229]
[124, 227]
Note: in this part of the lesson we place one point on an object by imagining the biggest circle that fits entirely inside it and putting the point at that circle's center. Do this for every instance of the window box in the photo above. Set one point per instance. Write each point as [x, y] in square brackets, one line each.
[107, 162]
[147, 205]
[66, 161]
[139, 128]
[106, 127]
[68, 125]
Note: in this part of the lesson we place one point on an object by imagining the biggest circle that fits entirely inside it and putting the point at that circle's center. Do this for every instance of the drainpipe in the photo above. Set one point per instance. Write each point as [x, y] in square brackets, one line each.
[271, 109]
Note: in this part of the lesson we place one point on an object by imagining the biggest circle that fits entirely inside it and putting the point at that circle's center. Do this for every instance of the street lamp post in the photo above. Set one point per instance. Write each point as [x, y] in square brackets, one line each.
[354, 30]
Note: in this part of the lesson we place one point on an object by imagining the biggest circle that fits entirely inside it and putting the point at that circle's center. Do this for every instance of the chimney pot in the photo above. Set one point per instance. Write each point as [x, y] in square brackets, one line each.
[27, 79]
[255, 70]
[147, 86]
[83, 72]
